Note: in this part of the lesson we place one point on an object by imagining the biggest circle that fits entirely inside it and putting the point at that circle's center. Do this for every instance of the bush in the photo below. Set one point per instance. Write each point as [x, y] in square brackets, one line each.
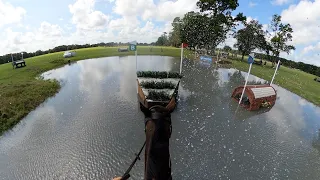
[158, 96]
[158, 74]
[157, 85]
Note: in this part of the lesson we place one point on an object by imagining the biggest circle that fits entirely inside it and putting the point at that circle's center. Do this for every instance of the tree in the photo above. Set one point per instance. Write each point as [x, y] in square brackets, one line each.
[217, 7]
[210, 27]
[249, 38]
[190, 25]
[174, 36]
[282, 34]
[266, 46]
[162, 40]
[227, 48]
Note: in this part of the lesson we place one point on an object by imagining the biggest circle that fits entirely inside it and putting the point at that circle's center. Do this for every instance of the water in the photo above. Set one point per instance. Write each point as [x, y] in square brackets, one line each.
[93, 126]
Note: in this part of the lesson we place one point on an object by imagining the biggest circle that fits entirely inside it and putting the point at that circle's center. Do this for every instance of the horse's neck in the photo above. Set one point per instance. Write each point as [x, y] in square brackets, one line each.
[157, 156]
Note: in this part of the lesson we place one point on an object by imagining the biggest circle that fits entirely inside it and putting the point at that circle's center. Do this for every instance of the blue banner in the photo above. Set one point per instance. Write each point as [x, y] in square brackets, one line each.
[206, 58]
[250, 59]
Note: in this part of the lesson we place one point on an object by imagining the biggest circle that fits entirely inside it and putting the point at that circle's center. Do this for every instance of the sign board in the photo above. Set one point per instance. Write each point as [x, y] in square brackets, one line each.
[132, 47]
[205, 64]
[206, 58]
[251, 58]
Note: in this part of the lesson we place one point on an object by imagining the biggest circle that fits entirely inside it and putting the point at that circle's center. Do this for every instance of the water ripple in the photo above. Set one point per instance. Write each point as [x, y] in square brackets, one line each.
[93, 127]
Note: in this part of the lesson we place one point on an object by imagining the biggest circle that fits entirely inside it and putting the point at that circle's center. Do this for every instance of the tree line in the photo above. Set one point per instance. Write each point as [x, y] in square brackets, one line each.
[214, 23]
[17, 56]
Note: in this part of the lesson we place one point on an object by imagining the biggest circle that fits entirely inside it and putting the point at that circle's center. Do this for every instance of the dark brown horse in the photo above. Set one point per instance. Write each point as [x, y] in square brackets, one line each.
[157, 155]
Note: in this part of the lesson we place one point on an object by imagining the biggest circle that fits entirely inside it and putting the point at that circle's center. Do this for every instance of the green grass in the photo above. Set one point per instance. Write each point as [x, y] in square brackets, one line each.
[294, 80]
[21, 92]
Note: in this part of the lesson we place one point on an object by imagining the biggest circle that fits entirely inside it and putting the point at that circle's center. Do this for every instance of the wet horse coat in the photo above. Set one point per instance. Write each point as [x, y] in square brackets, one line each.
[157, 155]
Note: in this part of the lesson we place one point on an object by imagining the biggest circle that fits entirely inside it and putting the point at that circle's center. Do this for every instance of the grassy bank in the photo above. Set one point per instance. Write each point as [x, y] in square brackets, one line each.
[21, 92]
[294, 80]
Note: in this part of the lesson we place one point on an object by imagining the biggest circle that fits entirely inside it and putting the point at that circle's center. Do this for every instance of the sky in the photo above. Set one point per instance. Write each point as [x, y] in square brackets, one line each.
[30, 25]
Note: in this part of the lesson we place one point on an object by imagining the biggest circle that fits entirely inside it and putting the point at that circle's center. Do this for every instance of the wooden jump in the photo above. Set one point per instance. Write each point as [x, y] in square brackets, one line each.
[19, 63]
[258, 96]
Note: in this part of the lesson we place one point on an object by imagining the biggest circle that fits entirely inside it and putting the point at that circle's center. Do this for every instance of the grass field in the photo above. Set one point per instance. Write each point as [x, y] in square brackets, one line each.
[21, 92]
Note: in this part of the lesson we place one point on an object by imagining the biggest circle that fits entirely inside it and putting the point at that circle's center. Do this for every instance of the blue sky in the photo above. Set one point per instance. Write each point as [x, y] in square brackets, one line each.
[29, 25]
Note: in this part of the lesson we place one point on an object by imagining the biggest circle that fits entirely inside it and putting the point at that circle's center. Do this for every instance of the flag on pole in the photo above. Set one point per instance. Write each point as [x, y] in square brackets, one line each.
[251, 58]
[275, 72]
[133, 47]
[184, 45]
[250, 61]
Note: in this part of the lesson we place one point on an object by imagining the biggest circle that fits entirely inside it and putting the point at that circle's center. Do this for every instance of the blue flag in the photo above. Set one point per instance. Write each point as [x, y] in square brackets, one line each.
[250, 58]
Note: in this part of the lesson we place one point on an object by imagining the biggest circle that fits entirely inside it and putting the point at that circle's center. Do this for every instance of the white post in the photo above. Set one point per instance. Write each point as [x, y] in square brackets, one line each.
[275, 72]
[11, 58]
[22, 55]
[136, 53]
[245, 83]
[181, 58]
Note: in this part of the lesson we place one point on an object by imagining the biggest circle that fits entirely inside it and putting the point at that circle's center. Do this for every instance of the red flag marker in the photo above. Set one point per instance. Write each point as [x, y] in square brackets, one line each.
[184, 45]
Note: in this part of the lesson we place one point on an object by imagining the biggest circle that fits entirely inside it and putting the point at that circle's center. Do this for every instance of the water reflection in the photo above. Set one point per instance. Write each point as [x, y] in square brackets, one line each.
[316, 142]
[92, 127]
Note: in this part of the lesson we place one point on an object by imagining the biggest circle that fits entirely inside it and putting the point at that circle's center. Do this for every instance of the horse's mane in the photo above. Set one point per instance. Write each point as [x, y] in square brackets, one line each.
[157, 155]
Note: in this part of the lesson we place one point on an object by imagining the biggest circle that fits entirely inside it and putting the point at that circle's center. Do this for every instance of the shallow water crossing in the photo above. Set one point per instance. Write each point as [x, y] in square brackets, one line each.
[93, 126]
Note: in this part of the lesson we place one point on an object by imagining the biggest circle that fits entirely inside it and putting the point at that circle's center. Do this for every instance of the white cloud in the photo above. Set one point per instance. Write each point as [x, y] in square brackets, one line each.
[311, 49]
[265, 27]
[10, 14]
[85, 17]
[130, 28]
[230, 41]
[308, 49]
[304, 18]
[45, 37]
[50, 35]
[133, 7]
[137, 22]
[128, 22]
[167, 27]
[249, 18]
[164, 10]
[48, 30]
[280, 2]
[252, 4]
